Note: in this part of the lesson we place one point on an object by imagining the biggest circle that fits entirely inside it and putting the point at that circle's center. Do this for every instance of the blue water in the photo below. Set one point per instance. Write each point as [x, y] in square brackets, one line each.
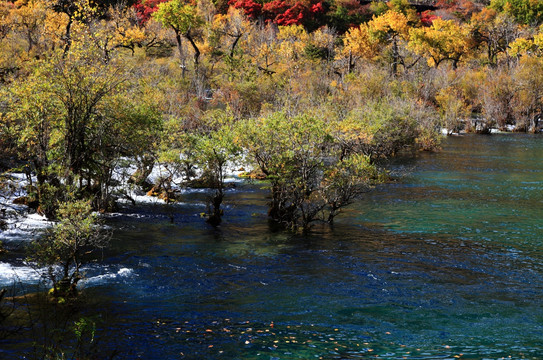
[443, 263]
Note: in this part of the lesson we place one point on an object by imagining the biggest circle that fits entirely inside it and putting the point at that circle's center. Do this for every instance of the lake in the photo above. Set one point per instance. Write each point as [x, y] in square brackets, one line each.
[444, 262]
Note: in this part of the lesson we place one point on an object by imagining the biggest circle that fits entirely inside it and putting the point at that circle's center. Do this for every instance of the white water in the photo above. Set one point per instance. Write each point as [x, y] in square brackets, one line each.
[28, 275]
[108, 276]
[10, 274]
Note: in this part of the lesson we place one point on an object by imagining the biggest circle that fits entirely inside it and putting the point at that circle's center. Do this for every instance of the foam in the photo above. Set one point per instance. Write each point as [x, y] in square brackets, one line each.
[122, 273]
[24, 227]
[10, 274]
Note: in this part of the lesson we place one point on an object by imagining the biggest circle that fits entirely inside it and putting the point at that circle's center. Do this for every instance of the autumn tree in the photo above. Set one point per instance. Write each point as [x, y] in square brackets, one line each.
[5, 20]
[528, 97]
[233, 25]
[358, 43]
[452, 109]
[389, 29]
[76, 12]
[38, 25]
[493, 32]
[498, 92]
[119, 30]
[527, 12]
[444, 40]
[145, 8]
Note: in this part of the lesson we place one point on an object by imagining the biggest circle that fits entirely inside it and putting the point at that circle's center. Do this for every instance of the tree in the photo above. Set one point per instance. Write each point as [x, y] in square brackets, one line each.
[493, 31]
[359, 44]
[145, 8]
[452, 108]
[390, 28]
[252, 10]
[120, 30]
[76, 116]
[527, 46]
[213, 150]
[65, 248]
[343, 14]
[529, 12]
[311, 178]
[234, 25]
[184, 20]
[77, 12]
[528, 97]
[5, 20]
[444, 40]
[498, 92]
[37, 23]
[379, 129]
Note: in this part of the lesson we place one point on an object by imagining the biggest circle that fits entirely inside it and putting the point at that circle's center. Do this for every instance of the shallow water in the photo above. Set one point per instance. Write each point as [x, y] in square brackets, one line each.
[446, 262]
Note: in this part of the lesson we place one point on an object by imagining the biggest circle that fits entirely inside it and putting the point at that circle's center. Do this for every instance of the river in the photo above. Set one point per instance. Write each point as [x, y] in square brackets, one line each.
[445, 262]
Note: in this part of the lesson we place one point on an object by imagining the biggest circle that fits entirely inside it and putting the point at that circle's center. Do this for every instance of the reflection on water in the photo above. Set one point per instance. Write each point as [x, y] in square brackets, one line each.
[445, 263]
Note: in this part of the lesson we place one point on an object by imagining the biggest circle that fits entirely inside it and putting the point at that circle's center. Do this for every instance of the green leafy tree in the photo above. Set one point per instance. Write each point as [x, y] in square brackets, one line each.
[311, 177]
[65, 247]
[76, 116]
[184, 19]
[213, 151]
[529, 12]
[378, 130]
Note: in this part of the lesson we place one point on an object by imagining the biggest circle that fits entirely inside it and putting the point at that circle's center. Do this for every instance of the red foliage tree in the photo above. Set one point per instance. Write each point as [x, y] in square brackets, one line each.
[460, 9]
[427, 17]
[144, 9]
[282, 12]
[252, 9]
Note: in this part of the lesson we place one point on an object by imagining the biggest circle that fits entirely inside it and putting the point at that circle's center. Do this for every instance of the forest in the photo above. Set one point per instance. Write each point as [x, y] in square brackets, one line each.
[310, 96]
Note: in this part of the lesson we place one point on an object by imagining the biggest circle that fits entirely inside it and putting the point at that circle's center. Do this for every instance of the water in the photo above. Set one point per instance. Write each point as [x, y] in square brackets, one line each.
[444, 263]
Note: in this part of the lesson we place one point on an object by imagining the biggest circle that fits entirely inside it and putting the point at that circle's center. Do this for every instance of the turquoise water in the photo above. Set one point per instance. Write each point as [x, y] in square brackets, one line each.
[443, 263]
[482, 189]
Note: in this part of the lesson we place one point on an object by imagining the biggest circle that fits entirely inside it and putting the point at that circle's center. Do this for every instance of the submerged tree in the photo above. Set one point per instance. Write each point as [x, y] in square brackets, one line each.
[67, 245]
[311, 176]
[209, 148]
[213, 151]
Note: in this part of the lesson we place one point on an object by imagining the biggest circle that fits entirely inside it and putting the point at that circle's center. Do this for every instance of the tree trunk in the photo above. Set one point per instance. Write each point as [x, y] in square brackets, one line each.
[195, 47]
[395, 56]
[180, 52]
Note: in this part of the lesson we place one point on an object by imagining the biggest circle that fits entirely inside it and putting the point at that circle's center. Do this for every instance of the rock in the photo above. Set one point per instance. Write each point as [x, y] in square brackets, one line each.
[31, 202]
[23, 200]
[482, 128]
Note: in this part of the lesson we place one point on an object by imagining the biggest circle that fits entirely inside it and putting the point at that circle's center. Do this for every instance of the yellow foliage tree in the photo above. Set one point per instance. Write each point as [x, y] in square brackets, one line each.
[37, 24]
[444, 40]
[5, 20]
[358, 42]
[233, 25]
[264, 49]
[387, 30]
[521, 46]
[293, 40]
[119, 31]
